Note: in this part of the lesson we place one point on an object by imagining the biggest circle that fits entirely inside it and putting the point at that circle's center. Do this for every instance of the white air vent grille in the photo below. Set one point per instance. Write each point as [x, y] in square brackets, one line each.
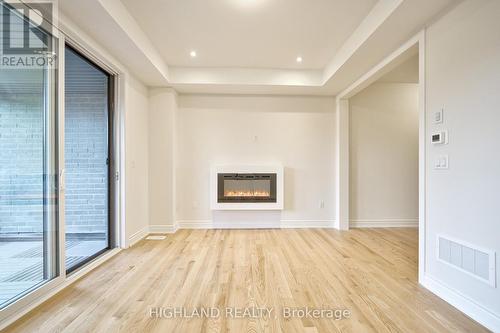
[468, 258]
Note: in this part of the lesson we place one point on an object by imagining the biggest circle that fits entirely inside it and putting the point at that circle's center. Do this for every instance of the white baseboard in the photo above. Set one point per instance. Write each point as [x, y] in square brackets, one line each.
[209, 224]
[285, 224]
[162, 229]
[137, 236]
[384, 223]
[194, 224]
[466, 305]
[150, 229]
[245, 225]
[304, 224]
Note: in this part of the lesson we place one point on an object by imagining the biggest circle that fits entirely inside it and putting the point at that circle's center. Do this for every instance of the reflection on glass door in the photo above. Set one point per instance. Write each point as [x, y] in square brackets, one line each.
[28, 156]
[87, 159]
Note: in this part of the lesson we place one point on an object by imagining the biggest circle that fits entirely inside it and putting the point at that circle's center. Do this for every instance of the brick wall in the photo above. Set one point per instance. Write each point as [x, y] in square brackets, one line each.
[86, 168]
[21, 161]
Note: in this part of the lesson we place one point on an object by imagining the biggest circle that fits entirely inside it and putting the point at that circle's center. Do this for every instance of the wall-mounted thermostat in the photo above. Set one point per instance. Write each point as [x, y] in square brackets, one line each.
[439, 138]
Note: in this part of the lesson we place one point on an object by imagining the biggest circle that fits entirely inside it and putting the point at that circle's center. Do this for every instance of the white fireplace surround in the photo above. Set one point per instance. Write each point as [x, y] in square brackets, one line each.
[277, 169]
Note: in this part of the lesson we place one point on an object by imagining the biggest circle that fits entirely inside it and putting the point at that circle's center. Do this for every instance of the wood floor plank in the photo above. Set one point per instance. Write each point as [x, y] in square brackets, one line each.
[370, 272]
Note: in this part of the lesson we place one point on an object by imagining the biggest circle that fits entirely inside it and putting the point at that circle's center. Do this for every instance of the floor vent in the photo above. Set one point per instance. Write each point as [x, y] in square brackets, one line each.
[468, 258]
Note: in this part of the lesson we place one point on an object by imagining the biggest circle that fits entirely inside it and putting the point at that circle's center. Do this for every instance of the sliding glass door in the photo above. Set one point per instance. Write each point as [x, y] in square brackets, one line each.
[28, 158]
[47, 163]
[87, 158]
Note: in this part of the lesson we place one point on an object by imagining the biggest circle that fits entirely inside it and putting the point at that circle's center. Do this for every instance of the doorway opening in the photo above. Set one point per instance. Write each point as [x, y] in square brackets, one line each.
[384, 150]
[414, 46]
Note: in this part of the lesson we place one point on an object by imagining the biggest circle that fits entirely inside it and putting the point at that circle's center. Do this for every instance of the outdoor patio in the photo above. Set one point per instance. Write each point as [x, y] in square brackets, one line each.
[21, 263]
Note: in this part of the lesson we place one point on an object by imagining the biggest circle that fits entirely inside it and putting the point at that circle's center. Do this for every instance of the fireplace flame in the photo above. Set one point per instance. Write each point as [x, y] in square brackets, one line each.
[246, 194]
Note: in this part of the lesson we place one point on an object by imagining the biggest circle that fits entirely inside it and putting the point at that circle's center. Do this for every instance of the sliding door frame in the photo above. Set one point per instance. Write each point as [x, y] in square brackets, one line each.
[51, 220]
[51, 118]
[111, 161]
[115, 144]
[66, 33]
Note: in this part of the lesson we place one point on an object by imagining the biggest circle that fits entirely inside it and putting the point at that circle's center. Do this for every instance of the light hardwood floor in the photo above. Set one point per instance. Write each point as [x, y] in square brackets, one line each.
[370, 272]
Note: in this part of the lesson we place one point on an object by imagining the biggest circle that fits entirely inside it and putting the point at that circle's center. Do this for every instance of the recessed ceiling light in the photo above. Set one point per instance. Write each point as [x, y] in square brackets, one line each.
[192, 54]
[299, 59]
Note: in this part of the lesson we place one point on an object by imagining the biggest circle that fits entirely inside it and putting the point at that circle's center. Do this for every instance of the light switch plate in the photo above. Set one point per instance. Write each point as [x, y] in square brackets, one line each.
[441, 162]
[438, 116]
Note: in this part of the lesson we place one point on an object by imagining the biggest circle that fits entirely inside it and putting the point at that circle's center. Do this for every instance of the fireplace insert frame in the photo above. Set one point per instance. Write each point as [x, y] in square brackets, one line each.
[272, 177]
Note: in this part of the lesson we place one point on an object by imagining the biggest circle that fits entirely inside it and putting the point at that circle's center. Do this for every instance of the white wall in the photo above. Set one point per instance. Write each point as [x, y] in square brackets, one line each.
[384, 155]
[162, 146]
[297, 132]
[136, 158]
[463, 75]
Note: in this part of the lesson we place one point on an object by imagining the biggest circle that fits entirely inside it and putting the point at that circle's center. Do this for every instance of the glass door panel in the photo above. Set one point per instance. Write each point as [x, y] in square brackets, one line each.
[87, 157]
[28, 161]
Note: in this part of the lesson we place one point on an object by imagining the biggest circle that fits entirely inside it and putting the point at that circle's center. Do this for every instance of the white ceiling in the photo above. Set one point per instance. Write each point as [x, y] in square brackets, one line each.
[249, 33]
[249, 46]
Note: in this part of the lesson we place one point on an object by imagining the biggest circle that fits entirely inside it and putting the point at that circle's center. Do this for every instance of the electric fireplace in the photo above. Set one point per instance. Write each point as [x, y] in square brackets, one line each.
[246, 187]
[251, 187]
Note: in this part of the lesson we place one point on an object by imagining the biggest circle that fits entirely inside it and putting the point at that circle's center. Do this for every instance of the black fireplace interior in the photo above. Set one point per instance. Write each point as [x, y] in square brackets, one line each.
[246, 187]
